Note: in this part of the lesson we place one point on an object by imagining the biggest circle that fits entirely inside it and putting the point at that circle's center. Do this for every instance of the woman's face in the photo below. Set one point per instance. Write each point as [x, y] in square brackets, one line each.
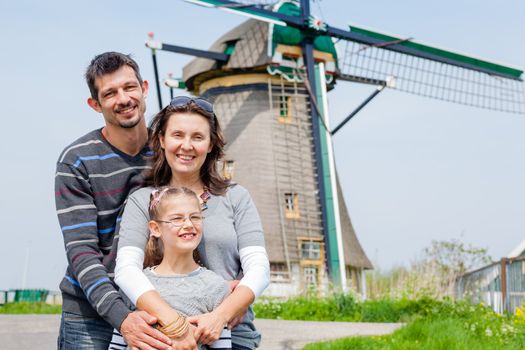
[186, 143]
[180, 229]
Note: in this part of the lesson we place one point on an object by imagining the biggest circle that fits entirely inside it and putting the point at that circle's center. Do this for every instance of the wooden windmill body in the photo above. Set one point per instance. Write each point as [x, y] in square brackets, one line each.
[267, 125]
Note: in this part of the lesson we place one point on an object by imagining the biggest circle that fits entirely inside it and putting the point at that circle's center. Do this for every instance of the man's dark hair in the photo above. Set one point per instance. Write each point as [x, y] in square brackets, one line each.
[107, 63]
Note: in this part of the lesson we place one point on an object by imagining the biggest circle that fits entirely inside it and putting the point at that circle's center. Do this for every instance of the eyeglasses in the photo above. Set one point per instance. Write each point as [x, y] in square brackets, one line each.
[181, 101]
[178, 221]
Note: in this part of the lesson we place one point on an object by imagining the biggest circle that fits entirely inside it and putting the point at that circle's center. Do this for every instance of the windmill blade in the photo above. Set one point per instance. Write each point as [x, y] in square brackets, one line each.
[432, 72]
[252, 9]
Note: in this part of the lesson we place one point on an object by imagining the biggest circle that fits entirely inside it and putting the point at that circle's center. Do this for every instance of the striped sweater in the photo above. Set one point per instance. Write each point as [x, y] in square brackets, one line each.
[92, 182]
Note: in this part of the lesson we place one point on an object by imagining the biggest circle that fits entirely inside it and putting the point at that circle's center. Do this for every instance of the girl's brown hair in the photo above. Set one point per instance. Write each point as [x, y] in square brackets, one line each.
[160, 173]
[154, 251]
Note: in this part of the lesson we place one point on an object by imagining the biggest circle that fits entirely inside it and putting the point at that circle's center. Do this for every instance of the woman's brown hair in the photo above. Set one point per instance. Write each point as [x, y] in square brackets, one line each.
[160, 173]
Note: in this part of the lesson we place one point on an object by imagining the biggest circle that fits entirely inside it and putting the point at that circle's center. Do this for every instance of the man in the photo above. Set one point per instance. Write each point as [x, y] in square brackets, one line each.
[94, 176]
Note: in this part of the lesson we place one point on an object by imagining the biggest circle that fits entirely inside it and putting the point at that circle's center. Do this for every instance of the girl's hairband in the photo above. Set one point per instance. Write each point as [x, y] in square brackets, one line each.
[156, 196]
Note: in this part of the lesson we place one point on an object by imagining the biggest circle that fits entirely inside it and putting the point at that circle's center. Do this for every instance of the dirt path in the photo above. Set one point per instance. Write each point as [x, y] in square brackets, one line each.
[291, 335]
[40, 332]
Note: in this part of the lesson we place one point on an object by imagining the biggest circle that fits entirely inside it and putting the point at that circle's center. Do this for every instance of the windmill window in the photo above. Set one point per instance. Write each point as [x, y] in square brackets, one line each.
[291, 208]
[230, 46]
[290, 56]
[279, 272]
[311, 250]
[227, 169]
[310, 276]
[285, 109]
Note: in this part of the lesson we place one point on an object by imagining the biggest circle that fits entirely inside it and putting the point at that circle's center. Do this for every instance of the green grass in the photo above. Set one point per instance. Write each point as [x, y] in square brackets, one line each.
[441, 334]
[444, 325]
[30, 308]
[431, 324]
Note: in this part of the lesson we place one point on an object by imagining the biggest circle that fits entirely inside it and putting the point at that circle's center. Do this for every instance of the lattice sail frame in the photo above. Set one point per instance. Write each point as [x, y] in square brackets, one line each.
[424, 77]
[258, 3]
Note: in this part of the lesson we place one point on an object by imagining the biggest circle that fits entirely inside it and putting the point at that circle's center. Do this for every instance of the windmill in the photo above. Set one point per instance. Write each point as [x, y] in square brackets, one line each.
[269, 77]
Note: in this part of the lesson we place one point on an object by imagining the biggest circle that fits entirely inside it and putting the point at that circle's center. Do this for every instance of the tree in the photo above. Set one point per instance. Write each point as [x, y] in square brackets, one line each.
[454, 257]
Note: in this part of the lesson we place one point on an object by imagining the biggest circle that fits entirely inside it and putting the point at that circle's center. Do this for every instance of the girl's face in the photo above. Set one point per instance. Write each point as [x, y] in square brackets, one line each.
[186, 143]
[180, 224]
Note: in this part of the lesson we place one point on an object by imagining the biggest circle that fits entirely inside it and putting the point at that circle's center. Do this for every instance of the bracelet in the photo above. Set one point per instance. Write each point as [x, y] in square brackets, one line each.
[175, 328]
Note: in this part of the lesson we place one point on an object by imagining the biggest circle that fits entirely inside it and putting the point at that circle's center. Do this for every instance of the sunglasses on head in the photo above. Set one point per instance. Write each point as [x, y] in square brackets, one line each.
[181, 101]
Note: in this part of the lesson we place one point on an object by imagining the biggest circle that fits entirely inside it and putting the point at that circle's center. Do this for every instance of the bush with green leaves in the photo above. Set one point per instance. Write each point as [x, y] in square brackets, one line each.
[342, 307]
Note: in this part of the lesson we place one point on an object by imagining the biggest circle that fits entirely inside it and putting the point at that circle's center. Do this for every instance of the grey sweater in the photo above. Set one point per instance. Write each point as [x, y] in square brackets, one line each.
[193, 294]
[231, 223]
[92, 181]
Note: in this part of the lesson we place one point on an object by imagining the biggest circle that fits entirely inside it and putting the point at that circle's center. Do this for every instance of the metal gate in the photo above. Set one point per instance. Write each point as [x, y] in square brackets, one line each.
[500, 285]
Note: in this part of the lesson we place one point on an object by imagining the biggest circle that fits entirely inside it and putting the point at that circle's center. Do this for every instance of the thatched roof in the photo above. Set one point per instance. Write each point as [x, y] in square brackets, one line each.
[354, 253]
[249, 53]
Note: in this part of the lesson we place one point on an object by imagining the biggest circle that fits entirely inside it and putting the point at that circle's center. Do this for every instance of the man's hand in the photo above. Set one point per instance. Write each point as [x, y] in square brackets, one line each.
[209, 327]
[139, 334]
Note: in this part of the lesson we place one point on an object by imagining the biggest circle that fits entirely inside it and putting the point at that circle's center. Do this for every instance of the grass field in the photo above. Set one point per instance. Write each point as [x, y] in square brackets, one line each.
[30, 308]
[435, 334]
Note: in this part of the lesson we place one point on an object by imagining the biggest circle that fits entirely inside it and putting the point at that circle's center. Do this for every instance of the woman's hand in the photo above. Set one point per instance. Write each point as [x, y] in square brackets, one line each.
[237, 319]
[209, 326]
[240, 316]
[186, 342]
[233, 284]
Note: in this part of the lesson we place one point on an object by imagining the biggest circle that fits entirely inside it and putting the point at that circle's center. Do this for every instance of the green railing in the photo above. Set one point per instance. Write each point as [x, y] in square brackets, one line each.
[23, 295]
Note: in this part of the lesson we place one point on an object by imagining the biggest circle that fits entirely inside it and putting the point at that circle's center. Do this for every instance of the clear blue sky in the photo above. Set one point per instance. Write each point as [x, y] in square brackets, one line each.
[412, 169]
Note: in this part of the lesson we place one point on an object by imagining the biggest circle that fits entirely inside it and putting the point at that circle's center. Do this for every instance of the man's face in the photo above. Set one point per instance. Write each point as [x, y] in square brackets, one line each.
[121, 98]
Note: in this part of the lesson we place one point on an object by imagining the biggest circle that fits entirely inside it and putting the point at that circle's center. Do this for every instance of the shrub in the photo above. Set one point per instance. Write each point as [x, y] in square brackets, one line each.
[336, 307]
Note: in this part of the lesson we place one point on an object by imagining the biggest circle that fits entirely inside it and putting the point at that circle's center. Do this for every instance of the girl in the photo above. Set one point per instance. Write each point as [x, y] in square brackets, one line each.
[171, 262]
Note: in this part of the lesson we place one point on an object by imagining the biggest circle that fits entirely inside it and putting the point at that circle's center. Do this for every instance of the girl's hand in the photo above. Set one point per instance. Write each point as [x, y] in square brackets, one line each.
[209, 326]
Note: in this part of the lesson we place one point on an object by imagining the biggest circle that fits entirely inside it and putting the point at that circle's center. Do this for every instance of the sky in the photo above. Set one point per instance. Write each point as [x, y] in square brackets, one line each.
[412, 169]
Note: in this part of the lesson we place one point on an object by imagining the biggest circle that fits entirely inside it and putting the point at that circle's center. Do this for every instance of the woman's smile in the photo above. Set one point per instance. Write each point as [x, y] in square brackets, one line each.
[185, 158]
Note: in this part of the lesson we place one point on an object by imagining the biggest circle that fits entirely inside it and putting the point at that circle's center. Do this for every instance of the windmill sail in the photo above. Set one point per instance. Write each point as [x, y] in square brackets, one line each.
[432, 72]
[372, 57]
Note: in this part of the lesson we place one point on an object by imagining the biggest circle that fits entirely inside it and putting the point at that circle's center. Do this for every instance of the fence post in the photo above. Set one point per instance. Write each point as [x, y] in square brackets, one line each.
[504, 284]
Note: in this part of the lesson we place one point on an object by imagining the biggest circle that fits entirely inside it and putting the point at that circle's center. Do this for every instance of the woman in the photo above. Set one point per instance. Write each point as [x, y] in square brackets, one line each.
[187, 142]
